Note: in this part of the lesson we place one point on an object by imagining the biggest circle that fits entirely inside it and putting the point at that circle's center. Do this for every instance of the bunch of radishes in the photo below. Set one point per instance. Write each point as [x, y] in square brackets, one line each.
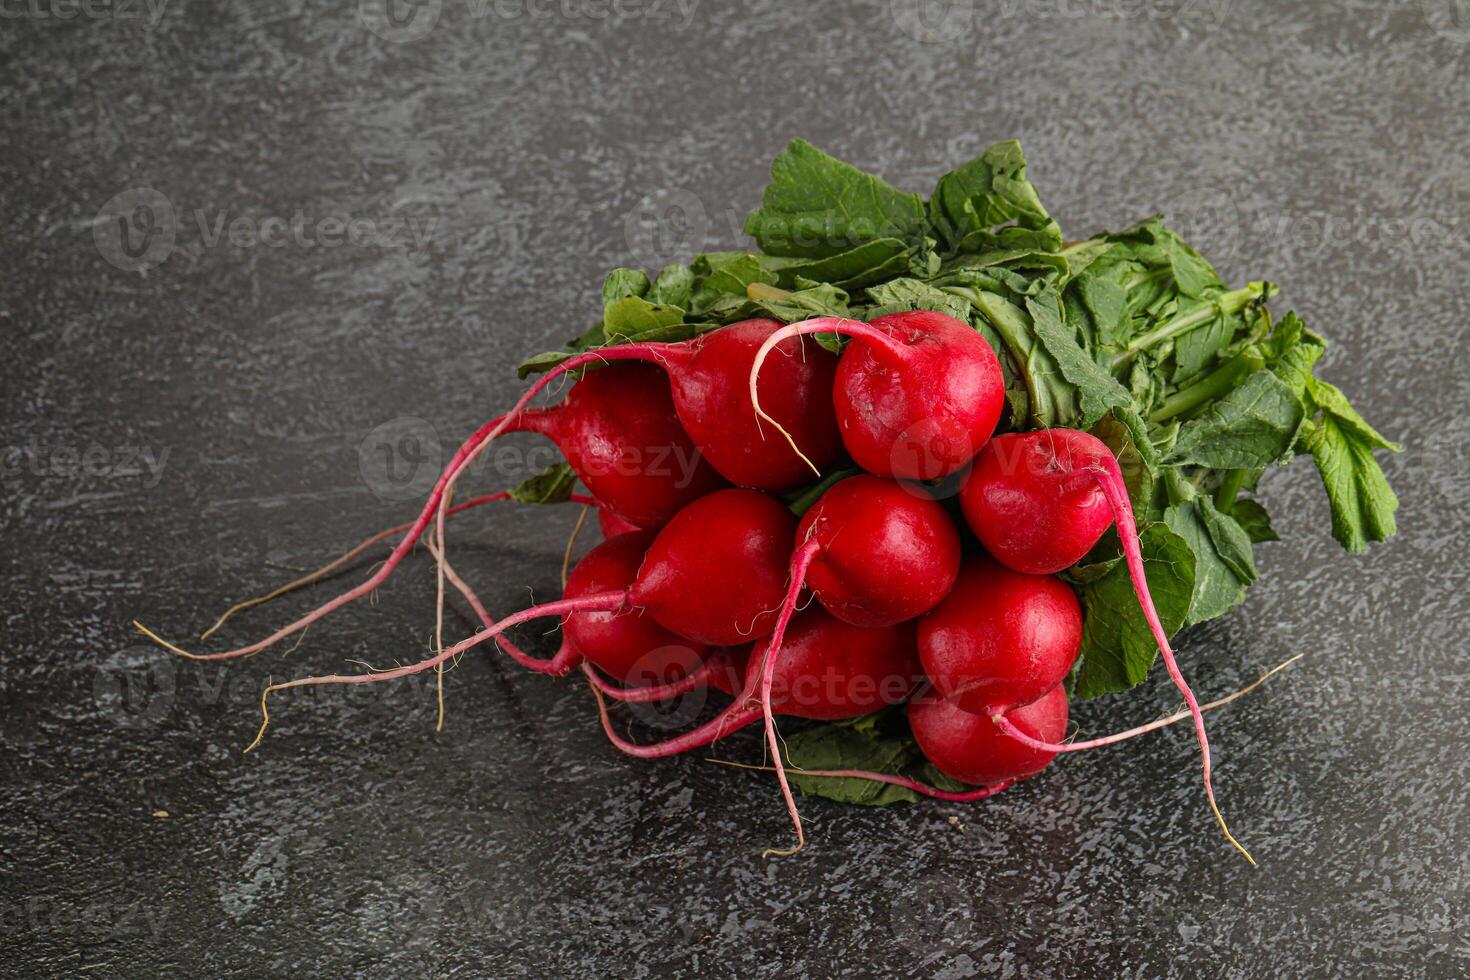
[706, 568]
[776, 464]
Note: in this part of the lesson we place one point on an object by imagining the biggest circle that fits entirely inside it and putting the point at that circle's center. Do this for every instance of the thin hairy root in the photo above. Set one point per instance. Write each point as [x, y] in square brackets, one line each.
[327, 569]
[828, 324]
[644, 695]
[730, 720]
[566, 558]
[400, 551]
[1110, 479]
[923, 789]
[800, 562]
[604, 601]
[1007, 726]
[559, 665]
[512, 419]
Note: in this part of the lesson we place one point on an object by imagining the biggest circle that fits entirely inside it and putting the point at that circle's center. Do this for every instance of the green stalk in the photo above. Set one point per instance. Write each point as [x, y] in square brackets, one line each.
[1229, 490]
[1227, 303]
[1208, 388]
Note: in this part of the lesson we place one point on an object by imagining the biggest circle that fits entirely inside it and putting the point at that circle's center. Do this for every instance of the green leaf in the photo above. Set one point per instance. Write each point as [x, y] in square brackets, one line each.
[634, 319]
[1194, 350]
[868, 263]
[1252, 517]
[1333, 402]
[1097, 391]
[1232, 542]
[1220, 579]
[902, 295]
[1252, 426]
[1117, 646]
[590, 340]
[816, 206]
[673, 287]
[850, 747]
[1192, 273]
[622, 283]
[727, 274]
[1363, 504]
[553, 485]
[989, 191]
[1051, 397]
[803, 304]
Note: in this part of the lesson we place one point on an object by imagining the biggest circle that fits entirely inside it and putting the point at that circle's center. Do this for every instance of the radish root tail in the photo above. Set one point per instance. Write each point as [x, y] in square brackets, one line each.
[1110, 479]
[851, 328]
[800, 562]
[603, 601]
[1010, 728]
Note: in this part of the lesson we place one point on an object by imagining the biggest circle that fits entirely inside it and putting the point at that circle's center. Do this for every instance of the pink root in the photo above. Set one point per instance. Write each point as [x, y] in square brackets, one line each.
[599, 602]
[730, 720]
[1110, 478]
[1009, 727]
[644, 695]
[562, 663]
[800, 562]
[826, 324]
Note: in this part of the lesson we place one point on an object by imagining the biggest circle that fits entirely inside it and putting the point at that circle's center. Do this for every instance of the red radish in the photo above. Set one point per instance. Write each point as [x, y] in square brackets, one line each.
[619, 432]
[828, 671]
[884, 552]
[617, 428]
[612, 525]
[709, 374]
[1000, 639]
[626, 645]
[1042, 500]
[887, 553]
[917, 394]
[1034, 499]
[972, 749]
[717, 572]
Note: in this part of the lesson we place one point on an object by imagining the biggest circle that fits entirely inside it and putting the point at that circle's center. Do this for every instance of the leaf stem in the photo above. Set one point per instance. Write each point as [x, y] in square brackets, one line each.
[1208, 388]
[1229, 490]
[1227, 303]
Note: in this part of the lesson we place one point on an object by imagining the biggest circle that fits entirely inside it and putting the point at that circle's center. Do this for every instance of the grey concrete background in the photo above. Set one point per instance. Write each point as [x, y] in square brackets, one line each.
[187, 420]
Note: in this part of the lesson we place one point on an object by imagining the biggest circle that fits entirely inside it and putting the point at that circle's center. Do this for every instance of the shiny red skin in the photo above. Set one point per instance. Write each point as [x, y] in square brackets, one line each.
[888, 553]
[829, 670]
[612, 525]
[618, 429]
[1031, 502]
[970, 748]
[717, 572]
[711, 385]
[1000, 639]
[628, 645]
[729, 665]
[925, 413]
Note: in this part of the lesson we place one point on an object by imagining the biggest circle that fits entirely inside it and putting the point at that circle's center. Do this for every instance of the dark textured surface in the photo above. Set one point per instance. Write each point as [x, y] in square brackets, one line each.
[182, 437]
